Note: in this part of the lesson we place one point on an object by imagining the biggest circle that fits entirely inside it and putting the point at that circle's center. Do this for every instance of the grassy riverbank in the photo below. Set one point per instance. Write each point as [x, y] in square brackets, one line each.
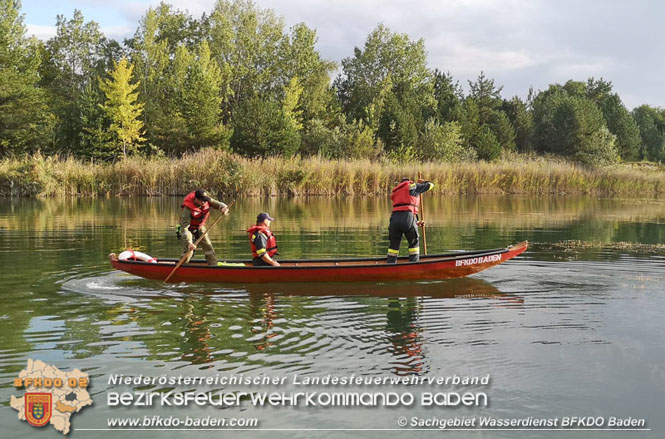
[229, 174]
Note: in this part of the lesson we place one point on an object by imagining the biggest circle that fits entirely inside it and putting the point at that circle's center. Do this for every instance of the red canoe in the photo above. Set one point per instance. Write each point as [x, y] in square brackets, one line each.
[434, 267]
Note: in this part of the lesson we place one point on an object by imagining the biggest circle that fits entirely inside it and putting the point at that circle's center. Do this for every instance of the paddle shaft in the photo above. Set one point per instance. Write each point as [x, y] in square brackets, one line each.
[182, 260]
[422, 218]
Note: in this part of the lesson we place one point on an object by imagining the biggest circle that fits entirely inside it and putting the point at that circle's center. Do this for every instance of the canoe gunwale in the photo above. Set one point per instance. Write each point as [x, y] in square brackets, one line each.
[430, 259]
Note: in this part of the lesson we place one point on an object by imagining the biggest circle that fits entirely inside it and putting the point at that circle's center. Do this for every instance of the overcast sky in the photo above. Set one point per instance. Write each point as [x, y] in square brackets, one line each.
[518, 43]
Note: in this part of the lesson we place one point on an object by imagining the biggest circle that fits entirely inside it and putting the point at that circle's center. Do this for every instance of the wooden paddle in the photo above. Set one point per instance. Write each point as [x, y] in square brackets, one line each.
[422, 218]
[180, 262]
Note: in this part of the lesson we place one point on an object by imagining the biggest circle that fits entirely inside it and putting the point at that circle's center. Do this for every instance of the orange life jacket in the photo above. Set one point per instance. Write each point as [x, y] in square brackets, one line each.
[271, 245]
[199, 214]
[403, 200]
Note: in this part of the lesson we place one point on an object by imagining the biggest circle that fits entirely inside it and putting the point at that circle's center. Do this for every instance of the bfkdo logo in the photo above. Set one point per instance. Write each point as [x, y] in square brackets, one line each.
[38, 408]
[52, 396]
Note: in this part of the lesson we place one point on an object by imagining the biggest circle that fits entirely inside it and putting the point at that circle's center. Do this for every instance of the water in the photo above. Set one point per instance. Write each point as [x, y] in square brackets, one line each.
[574, 327]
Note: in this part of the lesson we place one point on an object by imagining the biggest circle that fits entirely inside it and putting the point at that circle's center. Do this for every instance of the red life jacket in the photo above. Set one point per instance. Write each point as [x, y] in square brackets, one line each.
[403, 200]
[199, 214]
[271, 245]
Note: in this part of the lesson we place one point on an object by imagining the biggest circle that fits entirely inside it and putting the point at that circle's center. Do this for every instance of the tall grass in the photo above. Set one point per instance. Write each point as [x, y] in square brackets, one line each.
[229, 174]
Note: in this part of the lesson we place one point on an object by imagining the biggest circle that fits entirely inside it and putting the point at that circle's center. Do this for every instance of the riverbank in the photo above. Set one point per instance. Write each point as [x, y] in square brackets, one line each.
[224, 173]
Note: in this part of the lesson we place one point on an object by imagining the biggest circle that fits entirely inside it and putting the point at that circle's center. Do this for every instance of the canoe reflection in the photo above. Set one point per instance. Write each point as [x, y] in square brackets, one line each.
[403, 334]
[453, 288]
[282, 324]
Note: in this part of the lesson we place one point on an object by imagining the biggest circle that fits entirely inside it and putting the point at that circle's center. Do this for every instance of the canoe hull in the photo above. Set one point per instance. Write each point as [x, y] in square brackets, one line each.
[437, 267]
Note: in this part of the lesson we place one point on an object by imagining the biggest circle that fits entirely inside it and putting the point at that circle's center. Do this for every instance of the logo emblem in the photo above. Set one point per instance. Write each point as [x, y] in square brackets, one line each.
[38, 408]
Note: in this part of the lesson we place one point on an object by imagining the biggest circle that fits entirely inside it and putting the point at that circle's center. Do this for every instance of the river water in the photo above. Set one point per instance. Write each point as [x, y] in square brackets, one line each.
[574, 327]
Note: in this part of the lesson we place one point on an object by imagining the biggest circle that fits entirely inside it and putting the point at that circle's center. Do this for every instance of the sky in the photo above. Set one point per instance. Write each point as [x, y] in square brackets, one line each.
[518, 43]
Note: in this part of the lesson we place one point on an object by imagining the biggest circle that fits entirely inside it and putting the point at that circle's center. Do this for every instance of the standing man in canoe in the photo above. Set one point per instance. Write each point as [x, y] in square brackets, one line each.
[195, 211]
[404, 219]
[263, 242]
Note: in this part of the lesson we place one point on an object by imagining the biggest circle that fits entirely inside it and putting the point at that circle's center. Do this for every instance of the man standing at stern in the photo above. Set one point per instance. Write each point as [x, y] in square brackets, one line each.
[404, 219]
[195, 211]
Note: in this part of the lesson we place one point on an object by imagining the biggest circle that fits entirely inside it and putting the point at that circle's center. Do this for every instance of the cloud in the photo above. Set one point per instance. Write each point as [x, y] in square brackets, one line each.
[46, 32]
[41, 32]
[118, 33]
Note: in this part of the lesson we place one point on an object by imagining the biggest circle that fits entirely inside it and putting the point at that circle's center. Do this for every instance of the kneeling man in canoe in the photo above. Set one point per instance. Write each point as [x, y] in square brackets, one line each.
[262, 242]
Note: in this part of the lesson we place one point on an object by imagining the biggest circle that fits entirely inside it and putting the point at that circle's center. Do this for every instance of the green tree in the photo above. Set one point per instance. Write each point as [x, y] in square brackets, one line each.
[521, 118]
[121, 106]
[201, 101]
[161, 50]
[487, 98]
[572, 126]
[470, 121]
[444, 143]
[616, 115]
[597, 149]
[298, 58]
[623, 126]
[94, 123]
[258, 58]
[246, 42]
[26, 123]
[400, 120]
[75, 57]
[486, 94]
[448, 95]
[651, 123]
[260, 128]
[486, 145]
[384, 54]
[388, 58]
[291, 103]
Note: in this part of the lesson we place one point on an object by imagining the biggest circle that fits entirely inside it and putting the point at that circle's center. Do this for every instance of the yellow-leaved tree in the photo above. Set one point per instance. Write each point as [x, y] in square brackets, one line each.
[121, 106]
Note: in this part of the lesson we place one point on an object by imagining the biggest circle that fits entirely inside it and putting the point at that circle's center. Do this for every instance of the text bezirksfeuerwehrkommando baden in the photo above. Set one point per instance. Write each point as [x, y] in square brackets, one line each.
[256, 394]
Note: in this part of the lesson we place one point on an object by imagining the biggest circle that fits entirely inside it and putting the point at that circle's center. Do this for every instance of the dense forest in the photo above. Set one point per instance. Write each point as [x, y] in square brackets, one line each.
[236, 79]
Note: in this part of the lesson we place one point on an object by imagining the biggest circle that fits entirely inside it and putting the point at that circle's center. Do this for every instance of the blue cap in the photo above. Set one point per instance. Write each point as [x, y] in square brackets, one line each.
[262, 217]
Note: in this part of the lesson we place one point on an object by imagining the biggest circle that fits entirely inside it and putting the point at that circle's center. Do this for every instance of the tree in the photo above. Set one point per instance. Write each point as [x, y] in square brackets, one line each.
[444, 143]
[94, 134]
[121, 106]
[260, 128]
[616, 115]
[25, 121]
[651, 123]
[387, 56]
[486, 145]
[201, 101]
[246, 43]
[401, 120]
[572, 126]
[487, 99]
[448, 95]
[623, 126]
[160, 50]
[597, 149]
[485, 93]
[521, 119]
[74, 58]
[470, 120]
[298, 58]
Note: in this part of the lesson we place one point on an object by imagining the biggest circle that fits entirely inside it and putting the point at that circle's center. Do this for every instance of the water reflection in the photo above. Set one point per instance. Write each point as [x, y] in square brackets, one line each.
[263, 310]
[200, 324]
[560, 330]
[405, 336]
